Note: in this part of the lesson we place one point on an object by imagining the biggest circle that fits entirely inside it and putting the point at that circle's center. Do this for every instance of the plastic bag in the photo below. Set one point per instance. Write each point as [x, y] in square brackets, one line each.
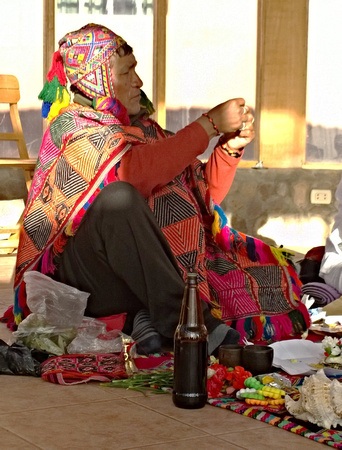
[57, 310]
[34, 332]
[16, 359]
[92, 337]
[61, 305]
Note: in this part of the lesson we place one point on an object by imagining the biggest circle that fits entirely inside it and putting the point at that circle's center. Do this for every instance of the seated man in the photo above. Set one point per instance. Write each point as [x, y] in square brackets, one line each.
[122, 209]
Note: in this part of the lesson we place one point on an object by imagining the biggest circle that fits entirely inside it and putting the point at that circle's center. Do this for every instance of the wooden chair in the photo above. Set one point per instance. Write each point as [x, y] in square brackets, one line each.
[10, 95]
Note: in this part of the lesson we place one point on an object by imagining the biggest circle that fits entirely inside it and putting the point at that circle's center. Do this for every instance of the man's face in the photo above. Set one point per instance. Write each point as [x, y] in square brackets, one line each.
[126, 82]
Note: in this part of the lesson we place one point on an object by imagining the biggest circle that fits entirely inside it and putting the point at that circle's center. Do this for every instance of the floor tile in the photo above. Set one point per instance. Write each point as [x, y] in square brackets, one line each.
[5, 333]
[7, 269]
[202, 443]
[116, 424]
[212, 420]
[35, 414]
[42, 394]
[11, 441]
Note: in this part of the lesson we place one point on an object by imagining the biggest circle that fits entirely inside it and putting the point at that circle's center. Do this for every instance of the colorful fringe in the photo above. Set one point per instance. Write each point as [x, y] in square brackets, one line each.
[281, 419]
[230, 239]
[54, 94]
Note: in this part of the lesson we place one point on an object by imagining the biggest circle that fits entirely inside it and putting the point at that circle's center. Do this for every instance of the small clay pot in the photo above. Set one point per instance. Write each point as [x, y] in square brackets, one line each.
[230, 355]
[257, 359]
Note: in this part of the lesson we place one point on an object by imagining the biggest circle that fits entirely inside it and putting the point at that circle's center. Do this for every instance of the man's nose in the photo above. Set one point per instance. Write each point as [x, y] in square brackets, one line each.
[137, 81]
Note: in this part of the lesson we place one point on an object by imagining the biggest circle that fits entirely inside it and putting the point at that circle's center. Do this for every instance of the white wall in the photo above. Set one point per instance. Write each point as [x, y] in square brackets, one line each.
[21, 51]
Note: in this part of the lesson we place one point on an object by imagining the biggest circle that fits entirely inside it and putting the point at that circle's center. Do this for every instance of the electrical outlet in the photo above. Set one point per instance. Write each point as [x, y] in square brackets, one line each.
[320, 196]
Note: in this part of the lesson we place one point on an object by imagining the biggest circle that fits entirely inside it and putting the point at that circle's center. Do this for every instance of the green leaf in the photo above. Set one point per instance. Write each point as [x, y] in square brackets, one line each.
[160, 382]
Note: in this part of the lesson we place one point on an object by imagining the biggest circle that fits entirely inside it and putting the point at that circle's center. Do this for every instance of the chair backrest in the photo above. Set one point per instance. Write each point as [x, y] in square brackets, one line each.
[10, 95]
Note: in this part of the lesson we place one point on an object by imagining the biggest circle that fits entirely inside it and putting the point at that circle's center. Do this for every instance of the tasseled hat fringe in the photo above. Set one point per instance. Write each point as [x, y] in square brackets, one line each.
[57, 69]
[54, 94]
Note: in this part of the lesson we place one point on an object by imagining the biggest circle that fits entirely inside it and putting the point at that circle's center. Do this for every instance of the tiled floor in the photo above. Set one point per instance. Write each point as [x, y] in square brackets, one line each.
[35, 414]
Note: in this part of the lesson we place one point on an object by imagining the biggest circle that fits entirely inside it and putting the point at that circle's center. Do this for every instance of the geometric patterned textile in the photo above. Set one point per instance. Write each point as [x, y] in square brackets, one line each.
[85, 54]
[66, 181]
[282, 419]
[241, 278]
[259, 296]
[81, 368]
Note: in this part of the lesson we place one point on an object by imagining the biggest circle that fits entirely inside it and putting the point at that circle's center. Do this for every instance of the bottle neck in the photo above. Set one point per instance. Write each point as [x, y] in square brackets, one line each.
[191, 313]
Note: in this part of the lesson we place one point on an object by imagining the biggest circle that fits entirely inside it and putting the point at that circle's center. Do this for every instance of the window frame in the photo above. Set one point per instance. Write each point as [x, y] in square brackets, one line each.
[280, 110]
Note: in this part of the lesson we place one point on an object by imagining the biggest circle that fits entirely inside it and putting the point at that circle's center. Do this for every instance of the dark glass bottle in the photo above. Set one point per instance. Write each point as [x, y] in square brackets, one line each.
[190, 351]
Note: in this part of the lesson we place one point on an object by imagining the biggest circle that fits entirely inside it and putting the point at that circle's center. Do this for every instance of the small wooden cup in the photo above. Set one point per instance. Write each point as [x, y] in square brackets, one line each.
[230, 355]
[257, 359]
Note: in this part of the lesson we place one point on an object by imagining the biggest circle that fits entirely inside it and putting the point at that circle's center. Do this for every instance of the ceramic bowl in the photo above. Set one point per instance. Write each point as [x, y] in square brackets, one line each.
[230, 355]
[257, 359]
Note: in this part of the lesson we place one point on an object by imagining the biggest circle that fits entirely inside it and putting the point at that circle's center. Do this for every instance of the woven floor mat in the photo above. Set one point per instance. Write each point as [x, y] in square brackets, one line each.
[283, 420]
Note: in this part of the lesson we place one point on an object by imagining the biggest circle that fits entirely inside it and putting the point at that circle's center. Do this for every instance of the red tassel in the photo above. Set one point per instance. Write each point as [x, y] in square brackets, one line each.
[59, 244]
[240, 327]
[259, 328]
[57, 69]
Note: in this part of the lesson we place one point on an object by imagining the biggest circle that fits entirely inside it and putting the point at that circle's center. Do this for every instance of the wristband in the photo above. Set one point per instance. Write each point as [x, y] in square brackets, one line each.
[231, 152]
[212, 122]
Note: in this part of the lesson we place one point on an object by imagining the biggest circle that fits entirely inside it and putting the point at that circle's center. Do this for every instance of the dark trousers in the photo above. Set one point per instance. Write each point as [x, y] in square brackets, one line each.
[121, 257]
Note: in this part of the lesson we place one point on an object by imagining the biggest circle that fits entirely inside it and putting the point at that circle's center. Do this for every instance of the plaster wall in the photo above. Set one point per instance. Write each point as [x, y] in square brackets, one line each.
[272, 204]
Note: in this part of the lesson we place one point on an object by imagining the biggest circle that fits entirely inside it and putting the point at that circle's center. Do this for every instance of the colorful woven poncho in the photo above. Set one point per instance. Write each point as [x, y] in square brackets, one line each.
[247, 283]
